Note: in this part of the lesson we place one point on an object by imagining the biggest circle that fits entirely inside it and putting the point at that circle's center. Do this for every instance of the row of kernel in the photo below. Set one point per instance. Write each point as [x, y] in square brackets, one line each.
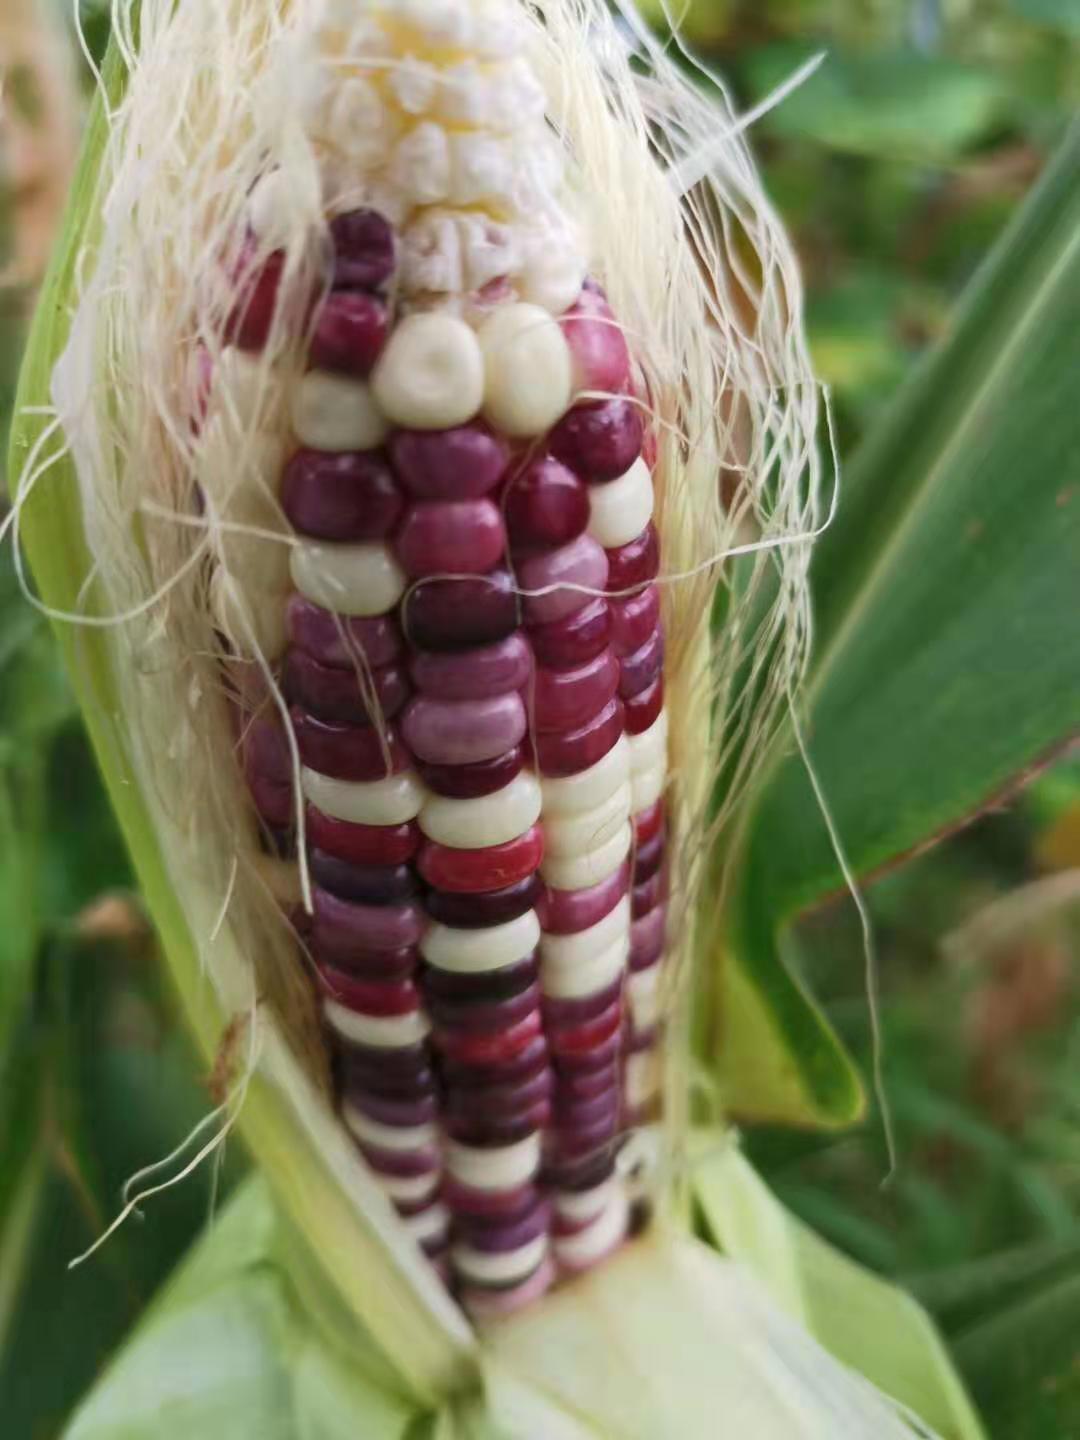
[466, 727]
[562, 522]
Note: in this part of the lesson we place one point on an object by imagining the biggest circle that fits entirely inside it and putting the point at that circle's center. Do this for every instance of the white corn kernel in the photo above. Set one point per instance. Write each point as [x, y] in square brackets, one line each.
[472, 952]
[553, 274]
[429, 1226]
[649, 749]
[644, 992]
[586, 1247]
[414, 84]
[499, 1267]
[431, 374]
[568, 835]
[528, 373]
[420, 167]
[648, 786]
[486, 821]
[581, 978]
[481, 169]
[359, 580]
[566, 952]
[642, 1083]
[390, 1032]
[620, 510]
[580, 1206]
[333, 412]
[388, 1137]
[394, 800]
[580, 872]
[576, 794]
[502, 1167]
[410, 1189]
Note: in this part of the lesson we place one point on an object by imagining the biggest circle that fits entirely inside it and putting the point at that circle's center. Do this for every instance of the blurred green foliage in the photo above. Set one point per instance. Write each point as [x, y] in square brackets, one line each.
[895, 166]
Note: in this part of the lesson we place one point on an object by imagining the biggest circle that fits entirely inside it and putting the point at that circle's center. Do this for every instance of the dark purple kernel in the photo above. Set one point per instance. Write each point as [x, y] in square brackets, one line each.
[650, 893]
[342, 927]
[400, 1112]
[274, 802]
[477, 912]
[585, 1062]
[500, 1100]
[575, 640]
[350, 331]
[640, 669]
[460, 464]
[489, 985]
[403, 1163]
[528, 1061]
[580, 1174]
[376, 1078]
[588, 1086]
[488, 1205]
[347, 497]
[252, 317]
[335, 695]
[483, 1014]
[348, 752]
[461, 613]
[634, 565]
[472, 1129]
[378, 965]
[265, 748]
[469, 782]
[499, 1237]
[366, 1065]
[365, 250]
[545, 505]
[281, 843]
[633, 620]
[575, 1140]
[342, 641]
[600, 439]
[579, 1113]
[558, 1013]
[648, 858]
[368, 884]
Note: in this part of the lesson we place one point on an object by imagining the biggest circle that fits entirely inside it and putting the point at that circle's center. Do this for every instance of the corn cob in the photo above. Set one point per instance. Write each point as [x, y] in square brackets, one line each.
[472, 654]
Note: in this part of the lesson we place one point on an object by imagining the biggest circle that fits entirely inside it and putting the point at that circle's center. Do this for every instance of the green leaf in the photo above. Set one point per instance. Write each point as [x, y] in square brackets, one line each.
[868, 1324]
[903, 105]
[947, 658]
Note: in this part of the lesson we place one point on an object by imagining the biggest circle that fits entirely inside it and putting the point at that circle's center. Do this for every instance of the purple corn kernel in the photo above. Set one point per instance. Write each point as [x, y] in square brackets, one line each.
[587, 1062]
[571, 1141]
[274, 802]
[465, 463]
[649, 894]
[484, 1048]
[567, 699]
[647, 938]
[557, 583]
[561, 1013]
[363, 884]
[478, 912]
[474, 674]
[265, 748]
[639, 669]
[403, 1164]
[635, 564]
[402, 1113]
[545, 505]
[600, 439]
[470, 1129]
[569, 1041]
[340, 641]
[379, 1001]
[351, 329]
[345, 497]
[502, 1100]
[638, 1041]
[469, 782]
[362, 844]
[336, 695]
[633, 620]
[589, 1086]
[488, 1204]
[648, 858]
[483, 1014]
[461, 613]
[582, 1114]
[643, 709]
[575, 639]
[528, 1061]
[597, 345]
[380, 965]
[348, 752]
[463, 732]
[451, 537]
[489, 985]
[499, 1237]
[565, 912]
[365, 250]
[371, 1067]
[578, 750]
[258, 286]
[578, 1174]
[341, 928]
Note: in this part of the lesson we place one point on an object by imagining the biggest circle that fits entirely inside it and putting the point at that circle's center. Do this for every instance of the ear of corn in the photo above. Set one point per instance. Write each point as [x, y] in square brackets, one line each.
[433, 731]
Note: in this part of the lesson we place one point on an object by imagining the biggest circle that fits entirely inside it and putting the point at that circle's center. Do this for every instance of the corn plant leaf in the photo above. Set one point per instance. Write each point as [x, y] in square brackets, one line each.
[866, 1323]
[947, 658]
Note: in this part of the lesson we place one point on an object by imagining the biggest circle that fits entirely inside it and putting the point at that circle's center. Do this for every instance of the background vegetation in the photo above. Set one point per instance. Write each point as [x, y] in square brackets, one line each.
[896, 167]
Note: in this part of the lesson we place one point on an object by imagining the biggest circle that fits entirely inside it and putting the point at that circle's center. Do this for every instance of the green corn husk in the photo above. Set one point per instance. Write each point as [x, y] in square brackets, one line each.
[307, 1311]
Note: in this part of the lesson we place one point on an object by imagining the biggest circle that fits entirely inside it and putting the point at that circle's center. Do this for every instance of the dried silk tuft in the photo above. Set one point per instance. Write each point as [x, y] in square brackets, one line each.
[698, 269]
